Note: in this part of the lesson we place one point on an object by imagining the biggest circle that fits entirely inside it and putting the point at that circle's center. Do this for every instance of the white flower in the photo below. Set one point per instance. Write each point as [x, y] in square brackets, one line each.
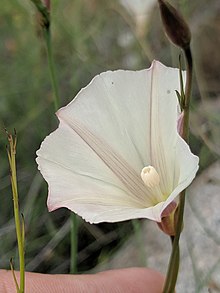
[116, 154]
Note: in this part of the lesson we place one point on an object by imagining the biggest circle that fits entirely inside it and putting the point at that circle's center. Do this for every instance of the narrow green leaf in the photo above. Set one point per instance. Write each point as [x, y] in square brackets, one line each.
[13, 274]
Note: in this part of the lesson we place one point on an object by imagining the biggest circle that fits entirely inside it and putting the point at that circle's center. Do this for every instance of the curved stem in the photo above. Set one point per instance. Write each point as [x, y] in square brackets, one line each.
[173, 267]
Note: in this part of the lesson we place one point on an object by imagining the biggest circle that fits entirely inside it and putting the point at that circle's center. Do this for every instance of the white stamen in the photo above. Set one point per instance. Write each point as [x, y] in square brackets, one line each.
[150, 176]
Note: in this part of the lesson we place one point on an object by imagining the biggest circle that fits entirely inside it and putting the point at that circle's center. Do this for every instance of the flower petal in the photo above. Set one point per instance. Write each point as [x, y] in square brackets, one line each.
[75, 172]
[89, 188]
[114, 107]
[163, 113]
[187, 165]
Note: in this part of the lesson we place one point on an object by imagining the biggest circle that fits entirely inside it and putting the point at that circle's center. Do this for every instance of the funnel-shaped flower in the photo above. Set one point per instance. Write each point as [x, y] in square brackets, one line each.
[116, 154]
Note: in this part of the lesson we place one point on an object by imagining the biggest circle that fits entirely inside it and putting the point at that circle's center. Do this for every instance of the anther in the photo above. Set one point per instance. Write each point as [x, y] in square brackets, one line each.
[150, 176]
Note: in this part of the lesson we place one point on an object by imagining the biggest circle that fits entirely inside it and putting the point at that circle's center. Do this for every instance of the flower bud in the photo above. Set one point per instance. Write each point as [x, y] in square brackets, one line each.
[174, 24]
[168, 219]
[43, 13]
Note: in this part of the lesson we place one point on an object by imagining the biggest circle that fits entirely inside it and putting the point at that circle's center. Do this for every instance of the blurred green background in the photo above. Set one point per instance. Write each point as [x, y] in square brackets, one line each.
[89, 36]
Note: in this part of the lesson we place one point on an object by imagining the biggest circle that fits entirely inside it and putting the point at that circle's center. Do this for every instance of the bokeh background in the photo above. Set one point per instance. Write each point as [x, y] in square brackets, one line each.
[89, 36]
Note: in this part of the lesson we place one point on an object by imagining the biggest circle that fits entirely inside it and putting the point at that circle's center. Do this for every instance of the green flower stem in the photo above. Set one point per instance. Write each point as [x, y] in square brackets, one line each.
[173, 267]
[18, 222]
[47, 37]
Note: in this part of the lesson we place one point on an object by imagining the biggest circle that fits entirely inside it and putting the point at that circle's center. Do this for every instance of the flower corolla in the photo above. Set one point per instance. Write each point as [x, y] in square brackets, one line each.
[117, 154]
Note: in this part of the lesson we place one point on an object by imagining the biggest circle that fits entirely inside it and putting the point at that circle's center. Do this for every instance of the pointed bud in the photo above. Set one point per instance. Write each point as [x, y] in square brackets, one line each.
[43, 16]
[175, 26]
